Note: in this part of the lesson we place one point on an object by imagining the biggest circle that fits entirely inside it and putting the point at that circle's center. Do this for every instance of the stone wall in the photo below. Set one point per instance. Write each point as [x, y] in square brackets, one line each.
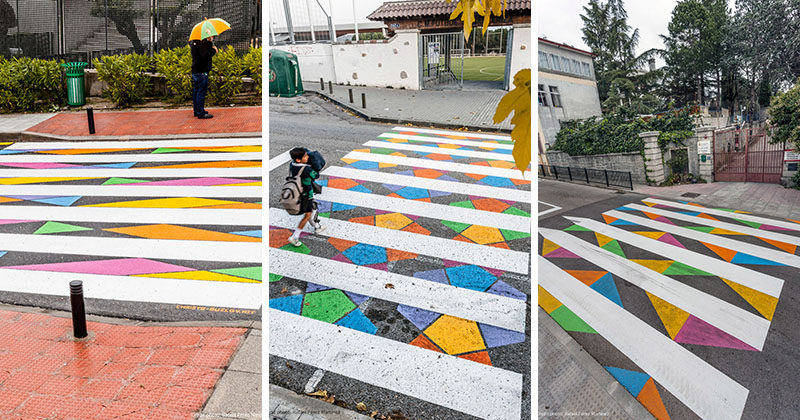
[625, 162]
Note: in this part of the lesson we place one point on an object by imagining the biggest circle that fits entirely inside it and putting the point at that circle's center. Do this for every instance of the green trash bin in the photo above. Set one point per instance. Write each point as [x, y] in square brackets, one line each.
[284, 74]
[76, 94]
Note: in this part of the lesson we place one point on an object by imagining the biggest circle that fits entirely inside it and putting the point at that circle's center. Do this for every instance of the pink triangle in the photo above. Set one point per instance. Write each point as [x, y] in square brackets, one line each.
[664, 219]
[381, 266]
[10, 221]
[377, 212]
[770, 227]
[41, 165]
[451, 263]
[494, 271]
[697, 331]
[193, 182]
[342, 258]
[661, 206]
[561, 253]
[671, 240]
[118, 267]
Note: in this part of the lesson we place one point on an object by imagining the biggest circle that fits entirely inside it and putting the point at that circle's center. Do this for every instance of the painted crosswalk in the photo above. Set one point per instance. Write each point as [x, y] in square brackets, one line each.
[419, 284]
[172, 222]
[668, 285]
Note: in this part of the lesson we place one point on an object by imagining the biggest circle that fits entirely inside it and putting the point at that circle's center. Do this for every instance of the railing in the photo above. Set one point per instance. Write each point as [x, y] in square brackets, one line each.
[597, 176]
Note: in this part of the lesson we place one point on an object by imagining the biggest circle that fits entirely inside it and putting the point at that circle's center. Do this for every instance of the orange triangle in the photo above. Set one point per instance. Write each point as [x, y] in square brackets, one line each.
[525, 182]
[718, 231]
[705, 216]
[415, 228]
[651, 215]
[649, 204]
[602, 239]
[609, 219]
[782, 245]
[426, 199]
[587, 276]
[695, 204]
[279, 237]
[423, 342]
[366, 220]
[255, 206]
[8, 200]
[341, 244]
[462, 239]
[500, 245]
[480, 357]
[476, 177]
[395, 195]
[658, 266]
[395, 255]
[651, 400]
[549, 246]
[792, 220]
[651, 235]
[165, 231]
[725, 253]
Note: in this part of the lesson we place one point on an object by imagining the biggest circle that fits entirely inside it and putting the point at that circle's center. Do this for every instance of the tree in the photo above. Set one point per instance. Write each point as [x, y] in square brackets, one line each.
[784, 116]
[122, 13]
[688, 49]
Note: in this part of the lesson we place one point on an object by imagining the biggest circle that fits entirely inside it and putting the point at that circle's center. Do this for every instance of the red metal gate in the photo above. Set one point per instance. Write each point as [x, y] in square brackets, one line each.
[746, 155]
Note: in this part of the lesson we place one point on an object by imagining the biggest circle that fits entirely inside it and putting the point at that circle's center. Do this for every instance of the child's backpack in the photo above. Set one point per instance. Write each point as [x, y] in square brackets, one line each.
[291, 193]
[316, 160]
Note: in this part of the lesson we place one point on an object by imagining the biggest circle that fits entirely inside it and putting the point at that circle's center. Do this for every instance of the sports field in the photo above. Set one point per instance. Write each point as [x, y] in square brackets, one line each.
[484, 68]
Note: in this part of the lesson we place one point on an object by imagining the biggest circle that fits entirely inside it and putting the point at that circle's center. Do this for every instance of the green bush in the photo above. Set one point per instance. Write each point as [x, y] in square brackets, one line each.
[30, 84]
[125, 76]
[784, 116]
[252, 62]
[176, 67]
[225, 78]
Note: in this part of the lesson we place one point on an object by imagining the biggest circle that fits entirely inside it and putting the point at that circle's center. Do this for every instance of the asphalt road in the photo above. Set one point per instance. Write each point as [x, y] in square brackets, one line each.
[687, 333]
[375, 209]
[158, 230]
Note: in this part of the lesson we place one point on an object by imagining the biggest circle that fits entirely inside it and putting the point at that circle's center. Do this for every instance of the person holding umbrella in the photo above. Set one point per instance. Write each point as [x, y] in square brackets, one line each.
[203, 49]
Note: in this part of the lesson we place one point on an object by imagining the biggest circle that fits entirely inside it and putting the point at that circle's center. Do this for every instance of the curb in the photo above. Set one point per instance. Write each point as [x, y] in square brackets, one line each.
[412, 122]
[287, 405]
[32, 136]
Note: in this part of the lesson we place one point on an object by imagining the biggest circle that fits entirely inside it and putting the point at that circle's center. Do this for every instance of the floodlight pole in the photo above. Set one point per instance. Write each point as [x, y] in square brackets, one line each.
[355, 22]
[310, 23]
[288, 20]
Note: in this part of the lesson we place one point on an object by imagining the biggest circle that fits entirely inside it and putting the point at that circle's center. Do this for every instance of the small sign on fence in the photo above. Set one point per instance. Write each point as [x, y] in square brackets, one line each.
[433, 53]
[791, 156]
[704, 147]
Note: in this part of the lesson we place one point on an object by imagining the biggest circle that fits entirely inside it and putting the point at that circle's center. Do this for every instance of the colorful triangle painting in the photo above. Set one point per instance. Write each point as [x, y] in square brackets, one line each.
[606, 287]
[697, 331]
[671, 316]
[742, 258]
[781, 245]
[632, 381]
[681, 269]
[614, 248]
[571, 322]
[577, 228]
[651, 400]
[56, 227]
[762, 302]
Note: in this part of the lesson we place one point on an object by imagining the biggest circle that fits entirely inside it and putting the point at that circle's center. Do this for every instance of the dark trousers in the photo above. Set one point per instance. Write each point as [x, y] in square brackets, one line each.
[199, 90]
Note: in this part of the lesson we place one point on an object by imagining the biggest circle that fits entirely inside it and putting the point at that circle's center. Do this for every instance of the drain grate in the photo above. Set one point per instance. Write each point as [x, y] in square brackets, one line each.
[690, 195]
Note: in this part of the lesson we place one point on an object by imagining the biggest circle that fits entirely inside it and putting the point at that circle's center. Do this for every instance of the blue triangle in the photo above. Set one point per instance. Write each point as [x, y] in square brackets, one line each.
[361, 188]
[625, 208]
[124, 165]
[291, 304]
[340, 206]
[253, 233]
[11, 152]
[3, 253]
[632, 381]
[60, 201]
[742, 258]
[358, 321]
[619, 222]
[690, 213]
[324, 182]
[606, 287]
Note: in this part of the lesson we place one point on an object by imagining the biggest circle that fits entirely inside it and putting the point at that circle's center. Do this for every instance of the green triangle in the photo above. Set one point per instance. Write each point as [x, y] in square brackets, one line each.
[578, 228]
[513, 234]
[681, 269]
[465, 204]
[458, 227]
[302, 249]
[382, 151]
[326, 214]
[168, 150]
[115, 181]
[56, 227]
[728, 210]
[705, 229]
[274, 277]
[614, 247]
[569, 321]
[517, 212]
[749, 223]
[252, 273]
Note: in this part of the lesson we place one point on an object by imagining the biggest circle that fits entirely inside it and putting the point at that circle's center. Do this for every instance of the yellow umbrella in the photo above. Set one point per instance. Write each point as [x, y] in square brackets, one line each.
[209, 27]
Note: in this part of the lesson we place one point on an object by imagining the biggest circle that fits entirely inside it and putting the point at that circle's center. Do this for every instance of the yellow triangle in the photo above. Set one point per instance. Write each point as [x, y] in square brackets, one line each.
[386, 165]
[649, 204]
[349, 161]
[719, 231]
[651, 235]
[548, 247]
[362, 150]
[173, 203]
[449, 146]
[547, 301]
[227, 148]
[244, 184]
[671, 316]
[762, 302]
[659, 266]
[602, 239]
[397, 154]
[200, 275]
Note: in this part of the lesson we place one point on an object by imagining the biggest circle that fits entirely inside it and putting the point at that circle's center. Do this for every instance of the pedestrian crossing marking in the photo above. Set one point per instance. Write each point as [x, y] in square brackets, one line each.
[127, 158]
[56, 227]
[129, 191]
[170, 203]
[39, 179]
[455, 335]
[199, 275]
[216, 164]
[762, 302]
[587, 277]
[781, 245]
[164, 231]
[134, 144]
[547, 301]
[659, 266]
[671, 316]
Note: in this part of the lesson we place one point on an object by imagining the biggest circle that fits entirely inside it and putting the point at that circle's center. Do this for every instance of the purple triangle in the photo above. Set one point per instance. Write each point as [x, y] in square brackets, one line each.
[496, 337]
[419, 317]
[667, 238]
[313, 287]
[509, 202]
[411, 216]
[392, 187]
[475, 197]
[29, 197]
[381, 266]
[447, 178]
[561, 253]
[697, 331]
[661, 206]
[434, 193]
[770, 227]
[409, 173]
[664, 219]
[356, 298]
[377, 212]
[438, 276]
[451, 263]
[342, 258]
[504, 289]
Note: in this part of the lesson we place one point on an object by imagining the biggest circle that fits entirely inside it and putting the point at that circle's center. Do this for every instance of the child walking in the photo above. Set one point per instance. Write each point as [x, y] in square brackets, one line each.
[308, 208]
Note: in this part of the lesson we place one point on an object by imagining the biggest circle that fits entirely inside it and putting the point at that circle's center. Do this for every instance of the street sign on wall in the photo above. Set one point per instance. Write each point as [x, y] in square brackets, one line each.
[704, 147]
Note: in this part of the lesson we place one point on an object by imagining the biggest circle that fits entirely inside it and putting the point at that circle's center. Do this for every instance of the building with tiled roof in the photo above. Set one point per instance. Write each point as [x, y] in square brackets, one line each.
[434, 15]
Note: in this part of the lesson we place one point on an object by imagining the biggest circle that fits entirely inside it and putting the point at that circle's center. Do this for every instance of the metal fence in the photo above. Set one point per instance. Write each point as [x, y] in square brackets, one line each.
[597, 176]
[299, 21]
[83, 29]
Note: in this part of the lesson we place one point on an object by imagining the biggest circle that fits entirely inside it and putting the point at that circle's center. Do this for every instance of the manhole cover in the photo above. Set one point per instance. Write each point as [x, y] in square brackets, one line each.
[690, 195]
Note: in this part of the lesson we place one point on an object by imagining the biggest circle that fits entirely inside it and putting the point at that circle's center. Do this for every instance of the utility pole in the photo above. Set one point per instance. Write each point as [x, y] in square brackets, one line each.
[310, 22]
[355, 22]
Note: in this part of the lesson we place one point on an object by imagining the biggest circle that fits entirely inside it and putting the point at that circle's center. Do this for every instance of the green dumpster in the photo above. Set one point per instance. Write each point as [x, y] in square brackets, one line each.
[76, 95]
[284, 74]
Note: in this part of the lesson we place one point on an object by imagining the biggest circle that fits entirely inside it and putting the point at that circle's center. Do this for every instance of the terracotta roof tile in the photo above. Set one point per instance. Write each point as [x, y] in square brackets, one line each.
[422, 8]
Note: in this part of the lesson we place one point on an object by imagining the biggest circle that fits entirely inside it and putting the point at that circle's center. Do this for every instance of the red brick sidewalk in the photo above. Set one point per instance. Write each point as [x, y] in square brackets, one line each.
[147, 123]
[125, 372]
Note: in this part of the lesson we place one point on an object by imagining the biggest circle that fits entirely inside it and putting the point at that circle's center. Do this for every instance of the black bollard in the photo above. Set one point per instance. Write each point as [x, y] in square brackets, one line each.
[363, 100]
[350, 91]
[321, 84]
[78, 308]
[330, 87]
[90, 116]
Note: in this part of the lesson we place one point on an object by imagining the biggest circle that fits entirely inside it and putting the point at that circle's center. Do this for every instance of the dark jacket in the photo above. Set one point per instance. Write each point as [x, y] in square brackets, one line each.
[308, 176]
[202, 51]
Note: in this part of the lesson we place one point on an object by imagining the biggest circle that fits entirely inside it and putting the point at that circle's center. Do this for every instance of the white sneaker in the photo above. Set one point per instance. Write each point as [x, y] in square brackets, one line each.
[295, 241]
[318, 228]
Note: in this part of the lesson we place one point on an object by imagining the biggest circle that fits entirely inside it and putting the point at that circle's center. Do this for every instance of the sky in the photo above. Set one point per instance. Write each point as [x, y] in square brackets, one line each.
[342, 13]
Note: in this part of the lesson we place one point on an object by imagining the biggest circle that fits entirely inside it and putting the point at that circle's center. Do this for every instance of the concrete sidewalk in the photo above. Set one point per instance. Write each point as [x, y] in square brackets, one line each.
[472, 109]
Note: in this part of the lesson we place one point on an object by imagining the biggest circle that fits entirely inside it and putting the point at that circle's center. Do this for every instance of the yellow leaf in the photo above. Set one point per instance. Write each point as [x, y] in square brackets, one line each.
[518, 100]
[361, 406]
[319, 393]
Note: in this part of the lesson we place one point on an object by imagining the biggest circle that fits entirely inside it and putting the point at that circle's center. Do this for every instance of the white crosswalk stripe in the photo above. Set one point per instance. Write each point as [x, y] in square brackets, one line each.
[133, 172]
[453, 133]
[440, 150]
[132, 157]
[723, 213]
[440, 165]
[444, 140]
[129, 190]
[132, 144]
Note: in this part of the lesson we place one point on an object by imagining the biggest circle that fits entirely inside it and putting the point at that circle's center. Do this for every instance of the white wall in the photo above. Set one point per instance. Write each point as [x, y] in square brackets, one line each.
[393, 63]
[521, 50]
[316, 60]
